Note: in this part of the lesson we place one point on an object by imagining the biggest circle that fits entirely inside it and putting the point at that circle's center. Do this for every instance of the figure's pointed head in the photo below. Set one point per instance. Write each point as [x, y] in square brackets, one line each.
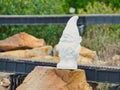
[73, 20]
[69, 45]
[71, 33]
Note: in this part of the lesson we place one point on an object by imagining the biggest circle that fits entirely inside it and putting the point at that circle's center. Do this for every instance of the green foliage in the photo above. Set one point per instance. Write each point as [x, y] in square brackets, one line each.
[99, 37]
[114, 3]
[83, 4]
[98, 8]
[28, 7]
[76, 4]
[50, 33]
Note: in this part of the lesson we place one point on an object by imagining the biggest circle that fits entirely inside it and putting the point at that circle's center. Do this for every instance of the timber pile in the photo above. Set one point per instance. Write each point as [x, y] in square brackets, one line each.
[23, 45]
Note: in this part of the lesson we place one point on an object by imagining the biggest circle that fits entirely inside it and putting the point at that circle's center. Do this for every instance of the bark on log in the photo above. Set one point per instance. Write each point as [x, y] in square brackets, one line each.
[48, 78]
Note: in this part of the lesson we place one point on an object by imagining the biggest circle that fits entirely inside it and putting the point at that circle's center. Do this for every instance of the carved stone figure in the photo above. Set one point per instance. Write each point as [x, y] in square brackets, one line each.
[69, 45]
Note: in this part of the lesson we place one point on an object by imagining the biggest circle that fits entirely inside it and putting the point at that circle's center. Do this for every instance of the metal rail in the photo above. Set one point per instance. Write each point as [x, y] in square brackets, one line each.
[22, 66]
[93, 73]
[58, 19]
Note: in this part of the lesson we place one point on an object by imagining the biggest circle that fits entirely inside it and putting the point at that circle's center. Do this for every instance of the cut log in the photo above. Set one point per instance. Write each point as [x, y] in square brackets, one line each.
[21, 41]
[48, 78]
[45, 50]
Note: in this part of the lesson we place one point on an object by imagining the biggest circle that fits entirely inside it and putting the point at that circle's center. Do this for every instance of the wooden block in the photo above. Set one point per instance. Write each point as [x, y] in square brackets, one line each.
[49, 78]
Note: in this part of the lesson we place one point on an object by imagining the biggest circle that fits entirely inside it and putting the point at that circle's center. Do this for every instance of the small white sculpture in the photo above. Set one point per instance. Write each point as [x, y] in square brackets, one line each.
[69, 45]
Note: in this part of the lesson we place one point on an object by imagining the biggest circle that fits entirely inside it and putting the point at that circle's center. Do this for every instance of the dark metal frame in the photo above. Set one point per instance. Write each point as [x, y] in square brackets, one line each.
[93, 73]
[58, 19]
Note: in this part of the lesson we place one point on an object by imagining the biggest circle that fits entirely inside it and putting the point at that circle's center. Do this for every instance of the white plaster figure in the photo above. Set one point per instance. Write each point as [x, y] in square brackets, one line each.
[69, 45]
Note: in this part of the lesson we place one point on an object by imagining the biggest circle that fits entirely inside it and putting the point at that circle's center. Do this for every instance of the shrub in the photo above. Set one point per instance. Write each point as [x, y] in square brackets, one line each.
[50, 33]
[82, 4]
[31, 7]
[98, 8]
[99, 37]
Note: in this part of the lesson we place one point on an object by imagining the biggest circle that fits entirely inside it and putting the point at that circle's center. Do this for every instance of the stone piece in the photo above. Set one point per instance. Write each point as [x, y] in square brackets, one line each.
[49, 78]
[21, 41]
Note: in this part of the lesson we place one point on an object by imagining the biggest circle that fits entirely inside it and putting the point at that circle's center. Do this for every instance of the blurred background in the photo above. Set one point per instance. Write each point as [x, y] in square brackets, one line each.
[104, 39]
